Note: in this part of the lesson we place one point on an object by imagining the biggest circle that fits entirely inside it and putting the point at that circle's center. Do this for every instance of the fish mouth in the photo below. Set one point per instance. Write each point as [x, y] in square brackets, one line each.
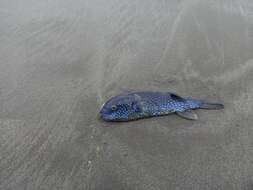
[106, 117]
[102, 114]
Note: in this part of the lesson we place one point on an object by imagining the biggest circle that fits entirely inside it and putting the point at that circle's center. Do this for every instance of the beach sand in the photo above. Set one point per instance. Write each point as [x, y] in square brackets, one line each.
[61, 60]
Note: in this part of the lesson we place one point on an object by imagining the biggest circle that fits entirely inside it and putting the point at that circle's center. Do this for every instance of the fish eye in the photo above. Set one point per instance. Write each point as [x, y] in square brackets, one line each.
[114, 107]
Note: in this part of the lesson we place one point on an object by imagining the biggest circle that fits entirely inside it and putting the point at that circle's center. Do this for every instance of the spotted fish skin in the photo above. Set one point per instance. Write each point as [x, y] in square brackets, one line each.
[141, 104]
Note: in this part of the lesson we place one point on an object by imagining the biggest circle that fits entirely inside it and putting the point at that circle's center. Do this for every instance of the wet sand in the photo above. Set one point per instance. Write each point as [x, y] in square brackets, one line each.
[60, 60]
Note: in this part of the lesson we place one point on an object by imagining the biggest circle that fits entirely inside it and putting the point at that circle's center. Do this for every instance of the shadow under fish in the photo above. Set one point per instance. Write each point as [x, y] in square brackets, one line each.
[142, 104]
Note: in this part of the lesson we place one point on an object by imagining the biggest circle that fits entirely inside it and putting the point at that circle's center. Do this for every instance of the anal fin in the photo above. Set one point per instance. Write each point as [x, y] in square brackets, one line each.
[188, 114]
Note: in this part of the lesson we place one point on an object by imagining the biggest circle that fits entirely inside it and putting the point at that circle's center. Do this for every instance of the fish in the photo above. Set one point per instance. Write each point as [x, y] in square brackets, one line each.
[143, 104]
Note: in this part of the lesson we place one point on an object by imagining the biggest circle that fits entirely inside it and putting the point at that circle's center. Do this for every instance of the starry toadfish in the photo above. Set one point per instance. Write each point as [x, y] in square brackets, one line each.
[143, 104]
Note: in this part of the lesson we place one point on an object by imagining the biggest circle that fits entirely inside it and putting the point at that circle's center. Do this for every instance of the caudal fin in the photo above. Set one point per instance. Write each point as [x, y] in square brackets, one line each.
[209, 105]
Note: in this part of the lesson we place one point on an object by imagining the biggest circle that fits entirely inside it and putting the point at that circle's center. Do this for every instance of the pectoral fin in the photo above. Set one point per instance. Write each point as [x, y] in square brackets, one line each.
[188, 114]
[138, 103]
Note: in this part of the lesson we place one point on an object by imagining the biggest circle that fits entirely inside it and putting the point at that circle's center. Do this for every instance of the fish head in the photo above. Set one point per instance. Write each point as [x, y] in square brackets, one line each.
[121, 108]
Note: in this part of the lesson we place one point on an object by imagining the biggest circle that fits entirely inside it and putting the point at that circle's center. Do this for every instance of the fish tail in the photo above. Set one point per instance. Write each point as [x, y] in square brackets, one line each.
[202, 104]
[210, 105]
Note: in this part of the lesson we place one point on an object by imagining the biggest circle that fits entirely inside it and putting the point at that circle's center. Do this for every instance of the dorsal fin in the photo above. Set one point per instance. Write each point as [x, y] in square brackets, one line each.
[176, 97]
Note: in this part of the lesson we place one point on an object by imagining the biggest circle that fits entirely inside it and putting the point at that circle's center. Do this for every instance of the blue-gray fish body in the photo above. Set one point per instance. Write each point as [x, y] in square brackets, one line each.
[141, 104]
